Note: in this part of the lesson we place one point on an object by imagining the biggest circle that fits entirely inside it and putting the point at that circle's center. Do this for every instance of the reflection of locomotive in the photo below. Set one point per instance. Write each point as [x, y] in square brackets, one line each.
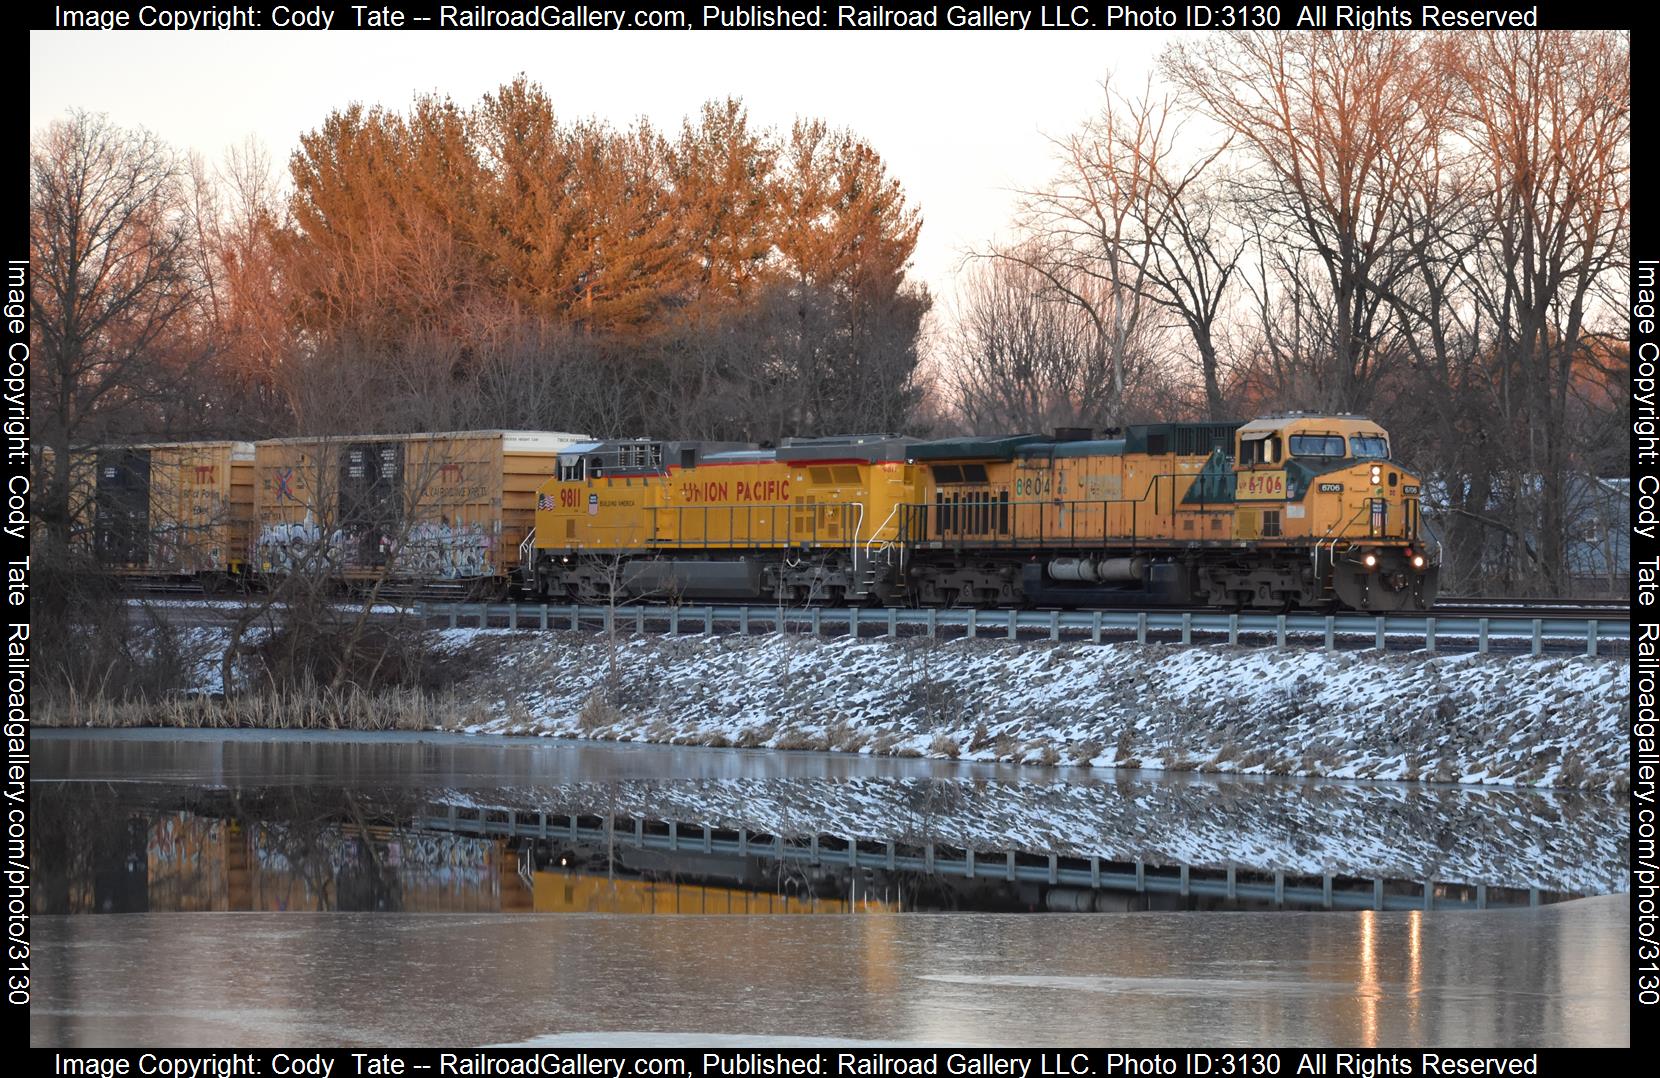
[1285, 511]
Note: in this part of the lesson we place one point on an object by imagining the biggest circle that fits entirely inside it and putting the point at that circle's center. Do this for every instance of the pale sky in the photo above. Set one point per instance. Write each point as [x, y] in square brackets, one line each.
[960, 117]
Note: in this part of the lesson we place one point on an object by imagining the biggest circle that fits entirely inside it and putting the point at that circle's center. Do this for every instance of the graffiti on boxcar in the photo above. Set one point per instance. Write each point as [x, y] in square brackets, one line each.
[444, 551]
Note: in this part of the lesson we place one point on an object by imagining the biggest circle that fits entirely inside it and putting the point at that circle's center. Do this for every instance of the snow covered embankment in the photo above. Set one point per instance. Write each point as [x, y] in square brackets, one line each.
[1457, 718]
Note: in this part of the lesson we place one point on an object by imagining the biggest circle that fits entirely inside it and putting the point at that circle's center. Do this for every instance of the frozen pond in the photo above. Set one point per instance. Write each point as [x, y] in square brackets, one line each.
[1525, 978]
[193, 841]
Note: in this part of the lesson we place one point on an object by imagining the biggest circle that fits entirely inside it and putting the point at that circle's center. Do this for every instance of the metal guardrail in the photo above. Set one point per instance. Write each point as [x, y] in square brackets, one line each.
[1435, 633]
[1092, 873]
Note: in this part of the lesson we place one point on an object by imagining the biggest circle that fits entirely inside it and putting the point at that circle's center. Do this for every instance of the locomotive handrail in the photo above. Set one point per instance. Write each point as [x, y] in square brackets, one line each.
[1335, 539]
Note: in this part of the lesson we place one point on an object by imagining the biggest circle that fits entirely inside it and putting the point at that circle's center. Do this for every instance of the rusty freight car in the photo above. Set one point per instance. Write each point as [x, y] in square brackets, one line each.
[451, 507]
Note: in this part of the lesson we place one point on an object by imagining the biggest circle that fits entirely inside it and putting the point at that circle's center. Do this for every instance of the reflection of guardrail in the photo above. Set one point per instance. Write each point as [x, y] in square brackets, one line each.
[1277, 887]
[1430, 632]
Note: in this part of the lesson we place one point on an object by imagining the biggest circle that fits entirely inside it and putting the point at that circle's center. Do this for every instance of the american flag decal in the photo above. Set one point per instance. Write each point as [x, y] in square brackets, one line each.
[544, 501]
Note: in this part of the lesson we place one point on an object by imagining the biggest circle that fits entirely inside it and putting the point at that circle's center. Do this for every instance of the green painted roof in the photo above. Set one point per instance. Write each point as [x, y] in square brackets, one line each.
[970, 448]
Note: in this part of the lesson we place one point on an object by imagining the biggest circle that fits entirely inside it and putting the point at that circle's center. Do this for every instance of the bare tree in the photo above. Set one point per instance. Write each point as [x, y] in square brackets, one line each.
[116, 294]
[1195, 255]
[1024, 355]
[1337, 125]
[1549, 115]
[1088, 229]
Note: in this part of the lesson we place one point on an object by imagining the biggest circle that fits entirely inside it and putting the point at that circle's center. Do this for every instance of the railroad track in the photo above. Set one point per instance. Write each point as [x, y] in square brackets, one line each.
[1610, 610]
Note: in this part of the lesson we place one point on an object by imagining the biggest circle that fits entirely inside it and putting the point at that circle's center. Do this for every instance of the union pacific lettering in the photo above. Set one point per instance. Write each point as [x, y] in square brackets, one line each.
[719, 492]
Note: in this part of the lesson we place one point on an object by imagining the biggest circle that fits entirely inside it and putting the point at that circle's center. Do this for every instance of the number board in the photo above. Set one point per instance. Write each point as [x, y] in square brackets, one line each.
[1259, 486]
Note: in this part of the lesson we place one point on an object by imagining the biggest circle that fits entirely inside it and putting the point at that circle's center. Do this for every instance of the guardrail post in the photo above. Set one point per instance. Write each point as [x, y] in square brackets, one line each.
[1279, 630]
[1429, 894]
[1233, 628]
[1429, 635]
[639, 621]
[708, 621]
[1331, 633]
[853, 622]
[933, 622]
[1538, 636]
[1591, 638]
[610, 620]
[743, 621]
[1377, 893]
[576, 616]
[453, 616]
[674, 621]
[893, 622]
[483, 615]
[973, 618]
[1054, 624]
[1481, 636]
[1382, 643]
[512, 615]
[818, 621]
[1014, 624]
[1187, 628]
[1095, 627]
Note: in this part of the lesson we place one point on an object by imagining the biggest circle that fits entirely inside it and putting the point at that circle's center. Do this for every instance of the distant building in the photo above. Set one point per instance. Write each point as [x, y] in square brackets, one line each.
[1599, 536]
[1597, 550]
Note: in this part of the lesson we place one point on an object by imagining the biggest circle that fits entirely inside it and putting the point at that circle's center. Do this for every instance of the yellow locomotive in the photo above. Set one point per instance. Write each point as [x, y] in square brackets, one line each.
[1285, 511]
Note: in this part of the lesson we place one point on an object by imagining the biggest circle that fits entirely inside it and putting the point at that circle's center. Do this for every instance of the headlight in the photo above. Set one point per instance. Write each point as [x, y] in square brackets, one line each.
[1377, 473]
[1371, 561]
[1417, 561]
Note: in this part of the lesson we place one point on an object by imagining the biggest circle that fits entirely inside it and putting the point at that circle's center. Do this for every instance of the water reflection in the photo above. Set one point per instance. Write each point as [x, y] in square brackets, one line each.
[1574, 843]
[278, 829]
[1551, 976]
[100, 850]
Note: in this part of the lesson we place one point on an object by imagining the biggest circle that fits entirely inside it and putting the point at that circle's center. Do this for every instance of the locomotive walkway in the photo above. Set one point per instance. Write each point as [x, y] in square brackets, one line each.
[1416, 631]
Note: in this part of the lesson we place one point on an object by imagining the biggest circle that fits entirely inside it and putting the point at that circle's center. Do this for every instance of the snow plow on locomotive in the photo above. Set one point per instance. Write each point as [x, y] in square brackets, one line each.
[1282, 512]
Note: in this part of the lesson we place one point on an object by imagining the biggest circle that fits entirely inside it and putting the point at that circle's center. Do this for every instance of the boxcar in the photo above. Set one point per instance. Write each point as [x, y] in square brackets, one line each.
[171, 510]
[452, 507]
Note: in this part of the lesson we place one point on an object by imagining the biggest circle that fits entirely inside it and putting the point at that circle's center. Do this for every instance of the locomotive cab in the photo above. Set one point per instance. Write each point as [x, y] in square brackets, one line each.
[1329, 484]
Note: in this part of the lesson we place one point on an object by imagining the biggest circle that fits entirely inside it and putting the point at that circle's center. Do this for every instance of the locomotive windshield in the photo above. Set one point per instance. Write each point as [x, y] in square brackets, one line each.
[1317, 445]
[1369, 446]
